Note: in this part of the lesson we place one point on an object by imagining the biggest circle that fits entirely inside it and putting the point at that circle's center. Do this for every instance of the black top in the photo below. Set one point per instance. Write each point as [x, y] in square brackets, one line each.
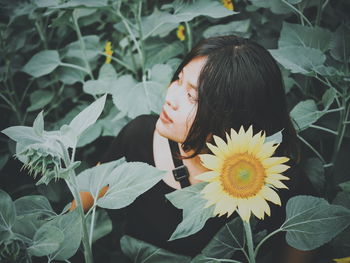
[151, 217]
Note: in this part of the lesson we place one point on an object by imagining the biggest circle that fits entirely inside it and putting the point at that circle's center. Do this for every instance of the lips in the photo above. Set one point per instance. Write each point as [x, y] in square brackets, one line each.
[164, 117]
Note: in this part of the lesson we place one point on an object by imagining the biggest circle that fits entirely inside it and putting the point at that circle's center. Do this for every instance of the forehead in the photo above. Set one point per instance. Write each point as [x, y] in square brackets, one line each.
[193, 69]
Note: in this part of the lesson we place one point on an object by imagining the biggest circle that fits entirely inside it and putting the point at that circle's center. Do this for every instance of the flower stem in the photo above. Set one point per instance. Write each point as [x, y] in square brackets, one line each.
[265, 238]
[92, 224]
[248, 234]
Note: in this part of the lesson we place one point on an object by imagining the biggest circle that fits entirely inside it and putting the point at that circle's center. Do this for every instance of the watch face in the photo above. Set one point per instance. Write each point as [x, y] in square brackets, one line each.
[180, 173]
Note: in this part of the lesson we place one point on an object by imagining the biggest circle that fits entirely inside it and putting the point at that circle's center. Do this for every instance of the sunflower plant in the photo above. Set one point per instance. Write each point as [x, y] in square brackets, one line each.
[243, 176]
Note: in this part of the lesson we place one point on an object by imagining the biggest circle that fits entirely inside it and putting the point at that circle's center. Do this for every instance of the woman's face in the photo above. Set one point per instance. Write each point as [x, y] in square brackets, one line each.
[180, 107]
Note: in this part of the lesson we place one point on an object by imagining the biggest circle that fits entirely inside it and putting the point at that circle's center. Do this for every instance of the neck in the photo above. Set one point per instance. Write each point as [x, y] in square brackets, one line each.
[193, 164]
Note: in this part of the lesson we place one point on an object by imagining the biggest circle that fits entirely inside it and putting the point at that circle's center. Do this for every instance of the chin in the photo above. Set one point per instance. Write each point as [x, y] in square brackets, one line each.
[166, 132]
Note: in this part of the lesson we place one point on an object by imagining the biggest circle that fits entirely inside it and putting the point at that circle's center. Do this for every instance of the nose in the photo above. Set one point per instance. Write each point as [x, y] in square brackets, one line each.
[171, 98]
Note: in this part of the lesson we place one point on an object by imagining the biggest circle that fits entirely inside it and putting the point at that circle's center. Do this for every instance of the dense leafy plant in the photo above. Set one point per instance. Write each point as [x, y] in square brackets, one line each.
[62, 56]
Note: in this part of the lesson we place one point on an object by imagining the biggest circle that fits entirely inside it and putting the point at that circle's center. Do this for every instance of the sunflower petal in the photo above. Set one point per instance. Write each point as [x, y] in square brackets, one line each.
[277, 169]
[207, 176]
[275, 183]
[210, 161]
[216, 150]
[267, 150]
[220, 143]
[279, 177]
[271, 195]
[274, 161]
[244, 210]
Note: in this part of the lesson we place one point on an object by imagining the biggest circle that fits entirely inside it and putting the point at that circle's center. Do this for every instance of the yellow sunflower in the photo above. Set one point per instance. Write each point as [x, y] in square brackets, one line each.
[180, 33]
[228, 4]
[108, 52]
[242, 175]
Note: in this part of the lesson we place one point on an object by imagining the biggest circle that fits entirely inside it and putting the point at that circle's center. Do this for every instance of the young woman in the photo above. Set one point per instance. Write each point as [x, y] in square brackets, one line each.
[223, 83]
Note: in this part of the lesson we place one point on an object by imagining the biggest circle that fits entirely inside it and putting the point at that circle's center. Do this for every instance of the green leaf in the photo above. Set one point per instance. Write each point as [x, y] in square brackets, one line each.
[38, 124]
[345, 186]
[7, 212]
[128, 181]
[305, 113]
[299, 59]
[312, 222]
[46, 240]
[240, 27]
[314, 170]
[304, 36]
[328, 97]
[113, 122]
[141, 252]
[42, 63]
[276, 137]
[95, 178]
[23, 135]
[85, 3]
[161, 73]
[88, 116]
[102, 225]
[194, 212]
[3, 160]
[160, 52]
[104, 84]
[229, 239]
[142, 98]
[71, 226]
[39, 99]
[33, 204]
[340, 44]
[92, 46]
[68, 75]
[90, 134]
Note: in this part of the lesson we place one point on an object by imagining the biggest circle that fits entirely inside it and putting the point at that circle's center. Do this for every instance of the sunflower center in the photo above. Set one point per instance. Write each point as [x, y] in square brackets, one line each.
[242, 175]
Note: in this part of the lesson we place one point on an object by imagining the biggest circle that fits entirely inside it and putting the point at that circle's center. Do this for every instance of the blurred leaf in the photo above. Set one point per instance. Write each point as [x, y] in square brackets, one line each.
[90, 134]
[3, 160]
[70, 76]
[345, 186]
[142, 98]
[299, 59]
[39, 99]
[141, 252]
[233, 28]
[105, 83]
[312, 222]
[92, 46]
[229, 239]
[123, 190]
[276, 137]
[190, 200]
[340, 44]
[33, 204]
[102, 225]
[113, 123]
[276, 6]
[71, 226]
[161, 73]
[160, 52]
[305, 113]
[23, 135]
[86, 3]
[42, 63]
[328, 97]
[304, 36]
[88, 116]
[7, 212]
[314, 170]
[38, 124]
[46, 240]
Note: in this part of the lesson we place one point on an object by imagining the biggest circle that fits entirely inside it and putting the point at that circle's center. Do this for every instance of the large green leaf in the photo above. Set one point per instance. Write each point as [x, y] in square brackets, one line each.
[104, 84]
[88, 116]
[39, 99]
[141, 252]
[127, 182]
[160, 52]
[33, 204]
[68, 75]
[95, 178]
[38, 124]
[304, 36]
[142, 98]
[92, 46]
[240, 27]
[299, 59]
[340, 44]
[194, 212]
[42, 63]
[23, 135]
[7, 212]
[312, 222]
[229, 239]
[305, 113]
[71, 226]
[46, 240]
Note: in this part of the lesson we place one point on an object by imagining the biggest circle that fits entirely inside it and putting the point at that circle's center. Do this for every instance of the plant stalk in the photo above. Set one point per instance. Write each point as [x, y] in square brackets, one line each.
[250, 245]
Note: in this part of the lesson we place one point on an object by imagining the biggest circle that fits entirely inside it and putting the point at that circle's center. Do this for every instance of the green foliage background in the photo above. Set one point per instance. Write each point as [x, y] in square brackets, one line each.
[52, 59]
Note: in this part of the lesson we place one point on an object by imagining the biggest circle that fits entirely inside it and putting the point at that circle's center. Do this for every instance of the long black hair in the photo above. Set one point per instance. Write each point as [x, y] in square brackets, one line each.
[240, 84]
